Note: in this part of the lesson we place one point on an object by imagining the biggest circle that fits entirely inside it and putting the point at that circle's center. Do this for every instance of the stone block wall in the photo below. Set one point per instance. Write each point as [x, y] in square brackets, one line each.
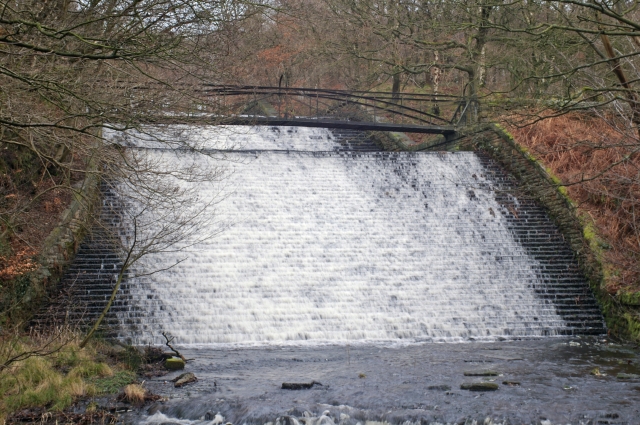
[621, 312]
[60, 247]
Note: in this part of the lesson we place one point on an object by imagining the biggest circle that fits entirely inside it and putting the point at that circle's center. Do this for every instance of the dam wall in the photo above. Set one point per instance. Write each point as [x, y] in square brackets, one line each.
[329, 240]
[621, 311]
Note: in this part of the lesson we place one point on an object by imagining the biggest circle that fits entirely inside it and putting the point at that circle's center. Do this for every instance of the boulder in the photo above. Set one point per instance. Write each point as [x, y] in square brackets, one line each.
[174, 363]
[184, 379]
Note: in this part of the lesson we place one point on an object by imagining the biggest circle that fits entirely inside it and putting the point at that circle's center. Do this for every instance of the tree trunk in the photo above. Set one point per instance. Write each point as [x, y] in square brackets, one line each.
[616, 67]
[395, 89]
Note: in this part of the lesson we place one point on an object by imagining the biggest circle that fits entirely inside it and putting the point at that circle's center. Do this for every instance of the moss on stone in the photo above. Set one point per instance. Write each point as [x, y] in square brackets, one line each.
[174, 363]
[479, 386]
[629, 298]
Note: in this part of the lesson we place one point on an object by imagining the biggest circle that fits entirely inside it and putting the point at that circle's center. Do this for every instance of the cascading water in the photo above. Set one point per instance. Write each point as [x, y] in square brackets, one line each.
[331, 246]
[330, 253]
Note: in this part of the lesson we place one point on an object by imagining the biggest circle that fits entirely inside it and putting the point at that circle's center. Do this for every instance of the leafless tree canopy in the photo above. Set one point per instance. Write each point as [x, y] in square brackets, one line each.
[69, 67]
[68, 70]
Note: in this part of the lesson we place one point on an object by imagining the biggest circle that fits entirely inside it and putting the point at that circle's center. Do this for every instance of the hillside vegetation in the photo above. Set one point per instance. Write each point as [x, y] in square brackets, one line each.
[592, 160]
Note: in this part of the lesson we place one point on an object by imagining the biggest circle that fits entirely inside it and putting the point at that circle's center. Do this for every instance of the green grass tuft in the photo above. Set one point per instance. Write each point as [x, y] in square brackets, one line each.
[114, 383]
[56, 380]
[88, 369]
[35, 382]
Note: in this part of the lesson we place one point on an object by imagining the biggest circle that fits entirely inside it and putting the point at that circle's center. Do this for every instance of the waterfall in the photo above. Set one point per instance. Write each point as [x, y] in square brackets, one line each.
[328, 246]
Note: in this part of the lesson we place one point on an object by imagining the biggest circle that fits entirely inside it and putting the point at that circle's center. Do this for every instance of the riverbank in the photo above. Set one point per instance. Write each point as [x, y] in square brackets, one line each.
[50, 379]
[539, 381]
[575, 166]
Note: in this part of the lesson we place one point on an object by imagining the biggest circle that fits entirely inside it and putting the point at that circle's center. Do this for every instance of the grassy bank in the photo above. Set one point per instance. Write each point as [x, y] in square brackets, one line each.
[52, 374]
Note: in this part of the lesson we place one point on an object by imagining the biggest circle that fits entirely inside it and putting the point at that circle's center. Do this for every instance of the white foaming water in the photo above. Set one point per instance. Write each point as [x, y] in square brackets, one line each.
[223, 137]
[329, 247]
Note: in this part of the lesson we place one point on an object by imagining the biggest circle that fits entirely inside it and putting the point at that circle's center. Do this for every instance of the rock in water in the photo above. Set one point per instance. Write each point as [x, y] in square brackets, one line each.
[485, 372]
[479, 386]
[596, 372]
[439, 387]
[628, 376]
[299, 386]
[174, 363]
[184, 379]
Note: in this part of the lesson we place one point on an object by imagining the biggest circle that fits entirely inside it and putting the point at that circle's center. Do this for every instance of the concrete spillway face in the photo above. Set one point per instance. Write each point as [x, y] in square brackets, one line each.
[325, 246]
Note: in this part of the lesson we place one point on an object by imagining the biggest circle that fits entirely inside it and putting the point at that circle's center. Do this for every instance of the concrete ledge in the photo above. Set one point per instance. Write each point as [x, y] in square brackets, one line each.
[340, 124]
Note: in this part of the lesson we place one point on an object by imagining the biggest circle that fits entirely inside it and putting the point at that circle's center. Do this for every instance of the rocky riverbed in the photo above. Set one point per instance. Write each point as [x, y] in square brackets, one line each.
[545, 381]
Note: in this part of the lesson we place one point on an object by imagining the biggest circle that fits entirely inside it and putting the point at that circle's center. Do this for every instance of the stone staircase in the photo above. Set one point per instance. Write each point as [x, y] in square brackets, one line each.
[354, 141]
[561, 282]
[86, 287]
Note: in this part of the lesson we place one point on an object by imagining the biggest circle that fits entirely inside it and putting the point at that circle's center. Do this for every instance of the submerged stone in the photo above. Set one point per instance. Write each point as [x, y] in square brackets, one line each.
[174, 363]
[485, 372]
[440, 387]
[299, 386]
[628, 376]
[479, 386]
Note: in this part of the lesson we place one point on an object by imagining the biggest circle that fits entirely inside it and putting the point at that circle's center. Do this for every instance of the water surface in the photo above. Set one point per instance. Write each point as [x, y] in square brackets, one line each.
[415, 383]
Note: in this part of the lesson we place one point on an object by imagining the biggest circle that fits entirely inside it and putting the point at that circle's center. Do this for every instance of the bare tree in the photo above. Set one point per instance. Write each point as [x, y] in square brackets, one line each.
[409, 38]
[155, 205]
[68, 69]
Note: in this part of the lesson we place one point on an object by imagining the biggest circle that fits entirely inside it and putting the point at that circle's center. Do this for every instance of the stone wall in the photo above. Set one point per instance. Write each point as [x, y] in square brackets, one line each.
[621, 312]
[60, 247]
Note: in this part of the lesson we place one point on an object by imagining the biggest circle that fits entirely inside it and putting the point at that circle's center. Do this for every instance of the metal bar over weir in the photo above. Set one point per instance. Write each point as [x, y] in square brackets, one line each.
[340, 124]
[313, 107]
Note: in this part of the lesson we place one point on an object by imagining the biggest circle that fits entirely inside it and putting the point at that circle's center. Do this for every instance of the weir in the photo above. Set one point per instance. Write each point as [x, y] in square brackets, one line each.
[330, 240]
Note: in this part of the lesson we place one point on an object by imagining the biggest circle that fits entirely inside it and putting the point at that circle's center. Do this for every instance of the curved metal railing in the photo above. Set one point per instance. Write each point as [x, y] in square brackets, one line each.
[410, 108]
